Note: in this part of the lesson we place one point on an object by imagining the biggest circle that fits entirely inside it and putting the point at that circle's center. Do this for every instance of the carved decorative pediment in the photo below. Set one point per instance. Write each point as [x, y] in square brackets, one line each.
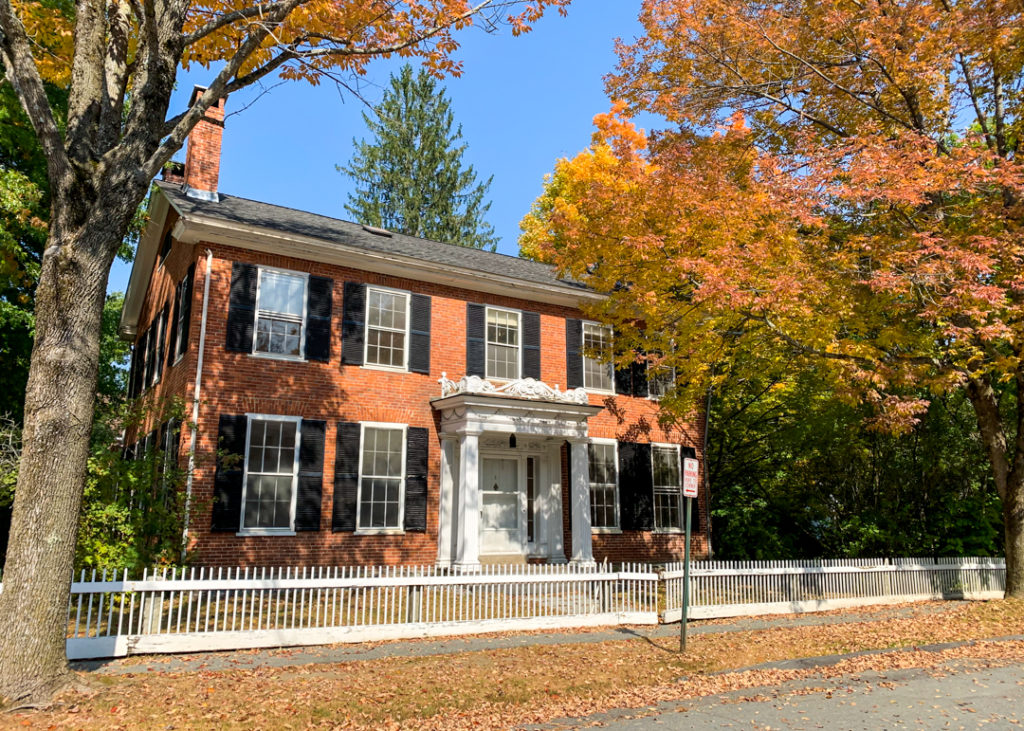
[524, 388]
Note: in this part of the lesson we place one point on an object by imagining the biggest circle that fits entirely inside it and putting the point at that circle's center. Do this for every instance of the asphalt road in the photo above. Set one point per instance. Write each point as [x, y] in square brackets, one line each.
[958, 695]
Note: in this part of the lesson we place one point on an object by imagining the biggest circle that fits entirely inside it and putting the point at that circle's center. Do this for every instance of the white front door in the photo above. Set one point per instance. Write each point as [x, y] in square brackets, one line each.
[501, 515]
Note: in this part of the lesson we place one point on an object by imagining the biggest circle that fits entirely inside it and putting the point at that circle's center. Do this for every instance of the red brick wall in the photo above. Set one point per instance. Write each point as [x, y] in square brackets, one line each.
[237, 383]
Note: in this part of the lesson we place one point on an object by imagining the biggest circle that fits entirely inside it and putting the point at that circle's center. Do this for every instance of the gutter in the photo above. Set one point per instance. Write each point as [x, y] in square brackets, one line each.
[195, 405]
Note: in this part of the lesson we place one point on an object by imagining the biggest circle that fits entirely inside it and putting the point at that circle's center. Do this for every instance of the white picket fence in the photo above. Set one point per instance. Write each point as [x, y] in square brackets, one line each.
[227, 609]
[199, 609]
[746, 588]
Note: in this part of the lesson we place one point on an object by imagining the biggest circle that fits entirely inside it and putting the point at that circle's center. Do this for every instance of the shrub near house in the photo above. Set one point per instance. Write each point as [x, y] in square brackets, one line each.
[391, 399]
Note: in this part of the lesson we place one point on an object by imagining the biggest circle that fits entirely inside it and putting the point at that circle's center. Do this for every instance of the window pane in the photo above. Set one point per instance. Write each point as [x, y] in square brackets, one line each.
[666, 467]
[386, 328]
[271, 470]
[502, 344]
[602, 485]
[597, 372]
[660, 381]
[381, 478]
[282, 293]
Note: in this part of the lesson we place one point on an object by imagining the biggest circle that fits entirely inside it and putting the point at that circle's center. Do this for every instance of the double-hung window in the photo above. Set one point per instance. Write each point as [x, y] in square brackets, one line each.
[597, 371]
[660, 380]
[280, 313]
[387, 328]
[271, 473]
[603, 480]
[381, 477]
[503, 344]
[668, 498]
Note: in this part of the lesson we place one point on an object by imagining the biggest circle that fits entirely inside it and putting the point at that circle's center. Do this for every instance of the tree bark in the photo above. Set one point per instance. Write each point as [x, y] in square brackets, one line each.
[1008, 473]
[1013, 531]
[84, 237]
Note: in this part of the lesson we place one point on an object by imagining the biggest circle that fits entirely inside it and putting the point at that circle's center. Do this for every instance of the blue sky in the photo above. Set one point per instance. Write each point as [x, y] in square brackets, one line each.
[523, 103]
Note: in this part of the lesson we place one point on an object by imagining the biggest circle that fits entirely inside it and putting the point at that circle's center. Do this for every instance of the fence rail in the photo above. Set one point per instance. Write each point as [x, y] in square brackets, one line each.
[745, 588]
[195, 609]
[219, 609]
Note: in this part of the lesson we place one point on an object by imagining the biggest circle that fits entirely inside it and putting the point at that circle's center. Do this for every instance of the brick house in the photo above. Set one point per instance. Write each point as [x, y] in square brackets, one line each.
[393, 400]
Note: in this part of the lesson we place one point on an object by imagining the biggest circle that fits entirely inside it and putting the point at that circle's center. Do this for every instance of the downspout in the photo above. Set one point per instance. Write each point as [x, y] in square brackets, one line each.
[195, 407]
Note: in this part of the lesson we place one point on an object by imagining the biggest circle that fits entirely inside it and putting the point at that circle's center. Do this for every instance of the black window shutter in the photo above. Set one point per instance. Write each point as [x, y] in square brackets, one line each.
[311, 475]
[227, 483]
[242, 307]
[624, 381]
[159, 332]
[476, 344]
[346, 477]
[165, 247]
[417, 445]
[636, 486]
[133, 373]
[318, 319]
[573, 353]
[638, 375]
[146, 345]
[186, 316]
[419, 334]
[531, 345]
[353, 323]
[182, 313]
[172, 341]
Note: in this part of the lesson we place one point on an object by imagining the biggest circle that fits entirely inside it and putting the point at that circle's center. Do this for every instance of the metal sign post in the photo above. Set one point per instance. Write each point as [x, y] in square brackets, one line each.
[690, 484]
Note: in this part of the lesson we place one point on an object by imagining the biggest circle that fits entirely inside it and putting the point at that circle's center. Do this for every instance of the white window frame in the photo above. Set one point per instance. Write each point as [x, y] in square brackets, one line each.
[609, 364]
[617, 528]
[301, 357]
[363, 426]
[654, 501]
[404, 368]
[519, 343]
[290, 530]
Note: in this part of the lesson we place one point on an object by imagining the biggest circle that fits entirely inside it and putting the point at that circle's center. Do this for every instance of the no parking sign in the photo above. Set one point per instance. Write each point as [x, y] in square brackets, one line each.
[690, 477]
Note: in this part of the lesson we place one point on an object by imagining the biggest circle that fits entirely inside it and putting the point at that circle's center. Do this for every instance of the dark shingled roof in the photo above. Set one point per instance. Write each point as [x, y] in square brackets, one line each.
[288, 220]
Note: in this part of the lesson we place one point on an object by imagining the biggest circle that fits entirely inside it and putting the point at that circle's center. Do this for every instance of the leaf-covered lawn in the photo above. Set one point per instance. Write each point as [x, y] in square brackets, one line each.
[506, 687]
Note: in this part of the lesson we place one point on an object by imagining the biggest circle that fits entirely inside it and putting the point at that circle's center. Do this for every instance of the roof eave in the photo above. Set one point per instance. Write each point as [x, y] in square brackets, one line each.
[193, 228]
[142, 265]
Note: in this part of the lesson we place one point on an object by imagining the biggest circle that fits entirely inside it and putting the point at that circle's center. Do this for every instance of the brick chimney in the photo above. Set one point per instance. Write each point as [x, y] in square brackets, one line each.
[202, 154]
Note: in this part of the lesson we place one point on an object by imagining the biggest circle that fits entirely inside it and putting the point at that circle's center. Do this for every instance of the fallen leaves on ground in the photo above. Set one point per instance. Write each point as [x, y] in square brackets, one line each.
[501, 688]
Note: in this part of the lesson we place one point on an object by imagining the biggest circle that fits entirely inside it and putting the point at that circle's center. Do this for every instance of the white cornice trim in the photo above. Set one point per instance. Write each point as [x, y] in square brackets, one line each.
[142, 266]
[191, 228]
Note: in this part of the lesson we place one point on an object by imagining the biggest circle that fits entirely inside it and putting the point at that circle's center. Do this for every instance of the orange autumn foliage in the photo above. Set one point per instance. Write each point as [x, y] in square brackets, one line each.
[840, 183]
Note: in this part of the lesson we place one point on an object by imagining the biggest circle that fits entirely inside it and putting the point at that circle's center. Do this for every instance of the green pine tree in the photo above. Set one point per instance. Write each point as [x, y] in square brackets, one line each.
[410, 178]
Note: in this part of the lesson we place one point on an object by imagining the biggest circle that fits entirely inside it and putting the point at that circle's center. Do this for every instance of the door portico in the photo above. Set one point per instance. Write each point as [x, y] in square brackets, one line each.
[501, 477]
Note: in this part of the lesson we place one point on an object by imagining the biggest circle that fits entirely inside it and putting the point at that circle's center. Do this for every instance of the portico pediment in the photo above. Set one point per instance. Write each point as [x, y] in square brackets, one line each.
[526, 406]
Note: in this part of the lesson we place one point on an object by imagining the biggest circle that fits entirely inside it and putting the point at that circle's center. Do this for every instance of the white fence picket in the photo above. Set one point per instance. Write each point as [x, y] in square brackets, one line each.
[748, 588]
[185, 610]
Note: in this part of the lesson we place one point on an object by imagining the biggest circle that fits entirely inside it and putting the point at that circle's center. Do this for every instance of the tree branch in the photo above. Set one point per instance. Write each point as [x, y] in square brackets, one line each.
[24, 76]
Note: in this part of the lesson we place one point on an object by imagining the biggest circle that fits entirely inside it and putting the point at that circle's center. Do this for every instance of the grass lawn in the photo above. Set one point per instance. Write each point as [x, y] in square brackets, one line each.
[505, 687]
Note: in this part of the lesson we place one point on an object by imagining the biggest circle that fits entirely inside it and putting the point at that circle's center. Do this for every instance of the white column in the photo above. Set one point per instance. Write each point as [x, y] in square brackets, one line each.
[446, 503]
[556, 542]
[467, 540]
[582, 546]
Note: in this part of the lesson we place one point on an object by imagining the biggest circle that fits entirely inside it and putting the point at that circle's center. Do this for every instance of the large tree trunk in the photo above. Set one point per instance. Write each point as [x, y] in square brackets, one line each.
[58, 418]
[1013, 531]
[1007, 469]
